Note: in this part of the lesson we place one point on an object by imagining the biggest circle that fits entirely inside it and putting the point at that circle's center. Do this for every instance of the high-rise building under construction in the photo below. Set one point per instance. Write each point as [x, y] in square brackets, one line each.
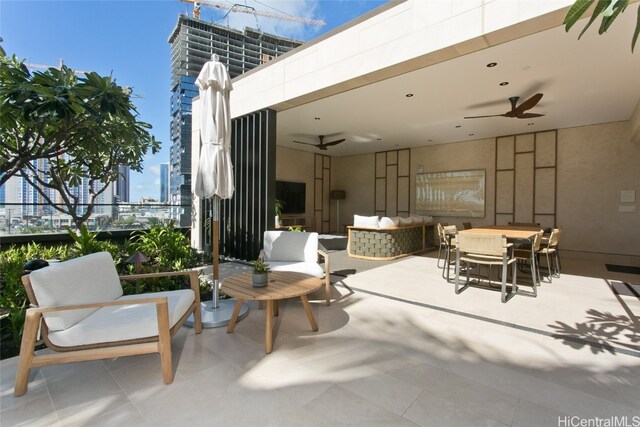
[193, 41]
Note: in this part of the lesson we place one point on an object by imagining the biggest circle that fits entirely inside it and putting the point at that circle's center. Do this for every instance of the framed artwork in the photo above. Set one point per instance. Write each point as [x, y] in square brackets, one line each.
[455, 193]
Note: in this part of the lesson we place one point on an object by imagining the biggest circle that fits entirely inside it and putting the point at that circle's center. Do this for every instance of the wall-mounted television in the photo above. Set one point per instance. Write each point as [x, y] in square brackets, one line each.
[292, 195]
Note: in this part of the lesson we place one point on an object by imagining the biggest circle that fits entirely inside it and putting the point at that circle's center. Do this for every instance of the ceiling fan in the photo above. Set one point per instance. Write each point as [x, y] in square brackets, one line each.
[518, 112]
[323, 145]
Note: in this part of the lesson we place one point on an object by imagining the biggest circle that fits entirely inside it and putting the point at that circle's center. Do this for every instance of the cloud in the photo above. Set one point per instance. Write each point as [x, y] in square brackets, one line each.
[154, 169]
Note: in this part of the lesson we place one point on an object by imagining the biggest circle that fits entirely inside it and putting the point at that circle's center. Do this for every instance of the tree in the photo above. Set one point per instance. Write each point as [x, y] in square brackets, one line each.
[84, 127]
[610, 10]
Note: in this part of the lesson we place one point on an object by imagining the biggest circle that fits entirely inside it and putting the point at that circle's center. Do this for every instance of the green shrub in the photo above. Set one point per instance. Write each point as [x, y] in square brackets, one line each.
[12, 295]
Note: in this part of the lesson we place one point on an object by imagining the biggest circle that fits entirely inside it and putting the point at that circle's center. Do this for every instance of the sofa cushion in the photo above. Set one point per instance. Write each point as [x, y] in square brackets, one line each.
[312, 268]
[386, 222]
[124, 322]
[365, 221]
[88, 279]
[405, 222]
[416, 219]
[290, 246]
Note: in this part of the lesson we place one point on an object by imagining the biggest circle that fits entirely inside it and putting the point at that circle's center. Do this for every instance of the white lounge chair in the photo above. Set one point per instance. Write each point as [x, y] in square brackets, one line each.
[296, 251]
[79, 307]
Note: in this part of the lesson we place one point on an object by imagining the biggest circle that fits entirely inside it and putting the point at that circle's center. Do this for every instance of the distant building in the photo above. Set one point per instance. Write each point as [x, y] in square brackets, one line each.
[164, 182]
[122, 185]
[22, 199]
[193, 41]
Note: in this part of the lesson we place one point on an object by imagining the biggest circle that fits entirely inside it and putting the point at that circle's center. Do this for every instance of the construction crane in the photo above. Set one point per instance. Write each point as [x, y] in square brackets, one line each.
[241, 8]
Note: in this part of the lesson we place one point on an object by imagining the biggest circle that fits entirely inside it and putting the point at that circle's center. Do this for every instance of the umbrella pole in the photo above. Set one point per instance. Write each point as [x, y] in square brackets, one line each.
[216, 313]
[215, 242]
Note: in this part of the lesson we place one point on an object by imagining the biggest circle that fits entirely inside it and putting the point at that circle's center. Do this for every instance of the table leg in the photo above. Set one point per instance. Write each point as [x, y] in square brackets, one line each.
[307, 309]
[268, 329]
[234, 316]
[276, 311]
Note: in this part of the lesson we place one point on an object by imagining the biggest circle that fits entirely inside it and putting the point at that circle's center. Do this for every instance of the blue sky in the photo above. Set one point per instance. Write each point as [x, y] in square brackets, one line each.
[129, 40]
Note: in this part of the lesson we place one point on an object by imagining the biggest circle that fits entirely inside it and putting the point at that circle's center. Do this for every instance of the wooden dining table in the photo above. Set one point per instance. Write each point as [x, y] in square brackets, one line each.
[512, 232]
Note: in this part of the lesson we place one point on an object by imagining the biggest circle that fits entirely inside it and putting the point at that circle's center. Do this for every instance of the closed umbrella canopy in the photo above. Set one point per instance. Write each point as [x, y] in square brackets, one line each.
[215, 171]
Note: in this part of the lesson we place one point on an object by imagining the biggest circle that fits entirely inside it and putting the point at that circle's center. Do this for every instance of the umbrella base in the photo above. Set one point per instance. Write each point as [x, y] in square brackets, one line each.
[217, 317]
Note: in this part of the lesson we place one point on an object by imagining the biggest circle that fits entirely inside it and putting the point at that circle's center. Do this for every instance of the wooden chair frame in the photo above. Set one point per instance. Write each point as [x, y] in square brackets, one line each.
[158, 344]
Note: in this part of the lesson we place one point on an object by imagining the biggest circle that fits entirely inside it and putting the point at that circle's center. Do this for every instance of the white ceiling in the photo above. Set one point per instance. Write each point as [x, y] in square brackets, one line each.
[592, 80]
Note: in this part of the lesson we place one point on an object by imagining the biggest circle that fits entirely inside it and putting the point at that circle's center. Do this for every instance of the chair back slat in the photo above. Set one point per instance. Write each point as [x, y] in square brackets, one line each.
[554, 238]
[484, 244]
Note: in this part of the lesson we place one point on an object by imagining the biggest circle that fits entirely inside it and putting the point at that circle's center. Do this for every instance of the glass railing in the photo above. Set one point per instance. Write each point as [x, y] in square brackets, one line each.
[21, 219]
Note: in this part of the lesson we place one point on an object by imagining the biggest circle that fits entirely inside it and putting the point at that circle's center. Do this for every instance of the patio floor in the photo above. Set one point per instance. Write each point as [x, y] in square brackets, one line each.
[398, 347]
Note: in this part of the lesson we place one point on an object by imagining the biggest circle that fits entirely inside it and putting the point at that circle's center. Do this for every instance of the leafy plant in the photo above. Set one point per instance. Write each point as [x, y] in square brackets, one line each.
[609, 9]
[82, 127]
[86, 242]
[166, 247]
[295, 228]
[260, 266]
[277, 206]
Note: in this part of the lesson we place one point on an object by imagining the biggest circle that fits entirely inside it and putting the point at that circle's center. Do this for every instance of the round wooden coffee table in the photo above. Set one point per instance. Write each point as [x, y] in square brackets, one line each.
[281, 285]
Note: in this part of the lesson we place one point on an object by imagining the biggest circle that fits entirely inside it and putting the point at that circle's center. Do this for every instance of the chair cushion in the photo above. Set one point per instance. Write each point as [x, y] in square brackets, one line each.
[290, 246]
[124, 322]
[365, 221]
[312, 268]
[88, 279]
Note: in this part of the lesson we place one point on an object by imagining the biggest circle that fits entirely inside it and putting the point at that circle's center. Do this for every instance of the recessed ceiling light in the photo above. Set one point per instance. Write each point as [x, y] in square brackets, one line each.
[379, 139]
[492, 64]
[429, 140]
[409, 95]
[530, 124]
[458, 126]
[471, 134]
[504, 83]
[316, 118]
[396, 145]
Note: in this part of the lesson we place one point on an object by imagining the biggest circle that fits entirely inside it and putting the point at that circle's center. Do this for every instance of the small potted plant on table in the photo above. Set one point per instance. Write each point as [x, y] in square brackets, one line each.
[260, 273]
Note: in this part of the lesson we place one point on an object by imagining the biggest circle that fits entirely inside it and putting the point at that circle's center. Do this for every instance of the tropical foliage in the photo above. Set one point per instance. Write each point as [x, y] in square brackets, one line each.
[58, 130]
[608, 9]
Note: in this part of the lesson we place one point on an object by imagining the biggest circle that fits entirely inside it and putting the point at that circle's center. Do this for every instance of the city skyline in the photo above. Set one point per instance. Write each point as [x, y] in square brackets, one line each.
[46, 32]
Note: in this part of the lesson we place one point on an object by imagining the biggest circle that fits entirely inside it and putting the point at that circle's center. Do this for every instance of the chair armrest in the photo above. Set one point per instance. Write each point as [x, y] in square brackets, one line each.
[324, 255]
[50, 309]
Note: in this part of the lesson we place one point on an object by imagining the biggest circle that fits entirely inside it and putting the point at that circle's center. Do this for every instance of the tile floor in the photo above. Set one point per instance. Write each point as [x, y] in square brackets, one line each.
[396, 348]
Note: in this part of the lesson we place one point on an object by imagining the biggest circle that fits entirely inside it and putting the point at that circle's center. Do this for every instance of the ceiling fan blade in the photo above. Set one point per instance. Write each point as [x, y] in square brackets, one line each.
[528, 115]
[305, 143]
[528, 104]
[328, 144]
[481, 117]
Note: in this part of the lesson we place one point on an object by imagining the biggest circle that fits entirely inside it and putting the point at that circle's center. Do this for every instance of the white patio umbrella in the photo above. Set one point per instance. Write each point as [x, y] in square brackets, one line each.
[214, 178]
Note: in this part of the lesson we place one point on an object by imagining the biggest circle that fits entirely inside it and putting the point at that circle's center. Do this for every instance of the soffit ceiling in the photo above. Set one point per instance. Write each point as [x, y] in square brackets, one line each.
[592, 80]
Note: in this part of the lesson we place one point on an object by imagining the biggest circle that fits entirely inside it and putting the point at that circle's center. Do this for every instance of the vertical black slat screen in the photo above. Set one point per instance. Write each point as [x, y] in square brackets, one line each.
[251, 209]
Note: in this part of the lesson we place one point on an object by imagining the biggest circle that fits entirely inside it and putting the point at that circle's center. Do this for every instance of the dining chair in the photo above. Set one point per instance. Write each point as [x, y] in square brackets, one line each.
[467, 225]
[528, 255]
[80, 310]
[486, 249]
[551, 250]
